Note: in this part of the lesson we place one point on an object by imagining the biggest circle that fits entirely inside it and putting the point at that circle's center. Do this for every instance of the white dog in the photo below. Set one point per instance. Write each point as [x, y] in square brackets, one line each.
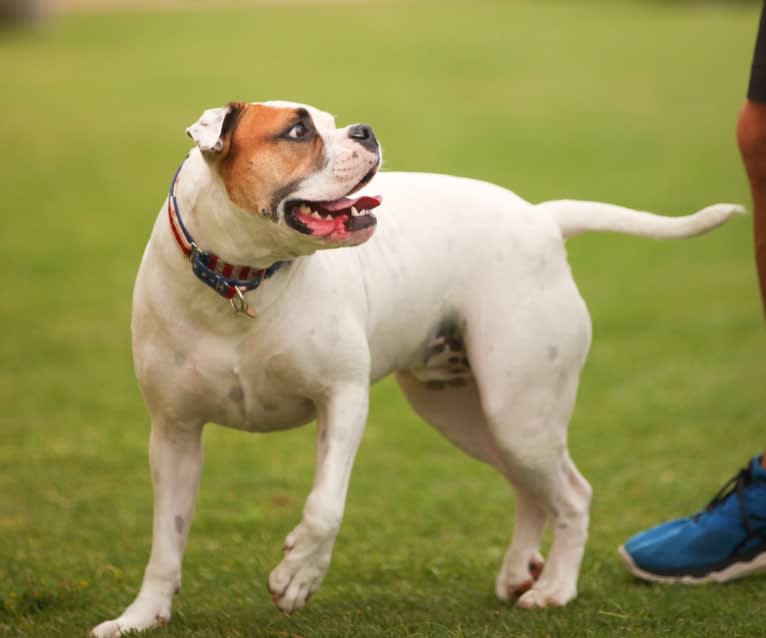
[464, 292]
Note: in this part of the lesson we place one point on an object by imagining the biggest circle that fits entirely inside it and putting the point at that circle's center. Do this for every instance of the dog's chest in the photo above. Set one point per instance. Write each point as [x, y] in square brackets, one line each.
[263, 409]
[233, 382]
[257, 394]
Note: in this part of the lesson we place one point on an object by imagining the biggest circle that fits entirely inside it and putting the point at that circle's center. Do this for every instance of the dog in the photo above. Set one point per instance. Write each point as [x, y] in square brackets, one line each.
[461, 289]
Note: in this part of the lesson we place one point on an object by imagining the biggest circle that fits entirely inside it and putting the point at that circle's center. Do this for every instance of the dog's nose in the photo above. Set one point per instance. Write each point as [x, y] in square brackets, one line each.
[363, 134]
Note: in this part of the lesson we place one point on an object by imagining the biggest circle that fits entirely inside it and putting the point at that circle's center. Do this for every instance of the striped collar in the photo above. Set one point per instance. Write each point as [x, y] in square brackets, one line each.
[228, 280]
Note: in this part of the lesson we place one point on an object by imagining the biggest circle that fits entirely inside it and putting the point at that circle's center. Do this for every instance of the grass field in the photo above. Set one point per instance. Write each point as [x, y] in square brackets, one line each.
[627, 102]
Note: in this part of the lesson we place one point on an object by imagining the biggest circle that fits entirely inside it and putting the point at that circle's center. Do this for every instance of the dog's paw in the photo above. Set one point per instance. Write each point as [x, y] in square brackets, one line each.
[108, 629]
[291, 587]
[132, 620]
[512, 583]
[301, 571]
[538, 597]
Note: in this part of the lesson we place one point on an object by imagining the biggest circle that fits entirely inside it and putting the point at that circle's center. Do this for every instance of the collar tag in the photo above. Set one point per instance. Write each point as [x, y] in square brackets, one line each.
[240, 305]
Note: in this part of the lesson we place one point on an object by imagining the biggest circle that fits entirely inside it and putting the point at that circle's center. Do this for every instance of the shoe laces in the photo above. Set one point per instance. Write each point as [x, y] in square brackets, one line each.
[736, 486]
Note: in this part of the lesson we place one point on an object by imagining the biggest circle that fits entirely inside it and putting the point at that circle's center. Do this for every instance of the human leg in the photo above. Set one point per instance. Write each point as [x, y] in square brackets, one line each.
[727, 539]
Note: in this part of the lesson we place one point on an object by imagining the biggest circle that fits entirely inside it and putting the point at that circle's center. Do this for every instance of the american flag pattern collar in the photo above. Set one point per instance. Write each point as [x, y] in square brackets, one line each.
[228, 280]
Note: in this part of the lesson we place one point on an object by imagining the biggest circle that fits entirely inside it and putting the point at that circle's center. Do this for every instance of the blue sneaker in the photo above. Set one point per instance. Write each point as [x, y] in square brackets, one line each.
[726, 540]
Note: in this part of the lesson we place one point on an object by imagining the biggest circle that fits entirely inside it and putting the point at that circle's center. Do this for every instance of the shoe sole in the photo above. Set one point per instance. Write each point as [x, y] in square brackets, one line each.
[732, 572]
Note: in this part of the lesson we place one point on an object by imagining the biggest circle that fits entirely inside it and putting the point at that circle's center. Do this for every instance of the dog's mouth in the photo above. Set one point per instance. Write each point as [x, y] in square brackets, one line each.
[336, 220]
[325, 219]
[345, 220]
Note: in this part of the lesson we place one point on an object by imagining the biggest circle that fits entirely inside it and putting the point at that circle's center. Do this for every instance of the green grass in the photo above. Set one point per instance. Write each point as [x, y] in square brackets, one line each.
[625, 102]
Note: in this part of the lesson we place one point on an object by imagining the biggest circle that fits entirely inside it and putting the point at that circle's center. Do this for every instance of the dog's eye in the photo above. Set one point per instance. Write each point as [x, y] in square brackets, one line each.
[298, 131]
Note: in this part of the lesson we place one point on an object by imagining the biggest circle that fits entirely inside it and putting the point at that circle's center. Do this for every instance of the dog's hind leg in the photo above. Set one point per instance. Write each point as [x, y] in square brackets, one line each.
[526, 360]
[532, 442]
[523, 563]
[175, 455]
[457, 413]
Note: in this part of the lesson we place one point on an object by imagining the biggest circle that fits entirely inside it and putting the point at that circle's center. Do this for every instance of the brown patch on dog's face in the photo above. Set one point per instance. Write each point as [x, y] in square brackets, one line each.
[270, 151]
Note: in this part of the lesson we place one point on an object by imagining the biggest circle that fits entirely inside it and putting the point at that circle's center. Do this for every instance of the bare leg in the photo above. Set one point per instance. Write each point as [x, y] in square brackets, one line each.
[664, 553]
[751, 137]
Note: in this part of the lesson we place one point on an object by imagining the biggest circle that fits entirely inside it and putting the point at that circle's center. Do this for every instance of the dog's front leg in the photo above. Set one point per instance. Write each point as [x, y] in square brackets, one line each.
[175, 455]
[340, 423]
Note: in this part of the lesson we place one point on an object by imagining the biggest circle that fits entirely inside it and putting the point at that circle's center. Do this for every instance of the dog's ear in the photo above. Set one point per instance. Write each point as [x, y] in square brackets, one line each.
[212, 131]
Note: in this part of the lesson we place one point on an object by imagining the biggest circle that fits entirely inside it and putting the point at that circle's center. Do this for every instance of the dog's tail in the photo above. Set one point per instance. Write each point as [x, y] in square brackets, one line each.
[575, 217]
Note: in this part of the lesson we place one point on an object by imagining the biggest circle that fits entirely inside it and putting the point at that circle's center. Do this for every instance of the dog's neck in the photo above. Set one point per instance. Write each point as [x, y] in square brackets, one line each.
[216, 225]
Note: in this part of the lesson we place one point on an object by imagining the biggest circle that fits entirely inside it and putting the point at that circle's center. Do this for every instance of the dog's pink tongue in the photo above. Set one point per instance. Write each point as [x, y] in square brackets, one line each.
[365, 202]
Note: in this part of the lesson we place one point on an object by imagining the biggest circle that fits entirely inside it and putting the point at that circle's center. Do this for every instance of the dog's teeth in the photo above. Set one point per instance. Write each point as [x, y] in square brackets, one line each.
[315, 214]
[328, 216]
[354, 212]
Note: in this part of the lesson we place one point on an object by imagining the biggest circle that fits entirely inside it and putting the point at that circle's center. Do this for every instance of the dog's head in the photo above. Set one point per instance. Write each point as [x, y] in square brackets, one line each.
[288, 163]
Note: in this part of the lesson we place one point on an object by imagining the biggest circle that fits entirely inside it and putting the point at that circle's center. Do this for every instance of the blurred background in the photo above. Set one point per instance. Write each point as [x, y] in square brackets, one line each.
[625, 101]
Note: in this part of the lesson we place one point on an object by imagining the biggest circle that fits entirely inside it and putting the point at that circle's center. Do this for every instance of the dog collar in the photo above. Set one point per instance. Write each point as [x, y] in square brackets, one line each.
[228, 280]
